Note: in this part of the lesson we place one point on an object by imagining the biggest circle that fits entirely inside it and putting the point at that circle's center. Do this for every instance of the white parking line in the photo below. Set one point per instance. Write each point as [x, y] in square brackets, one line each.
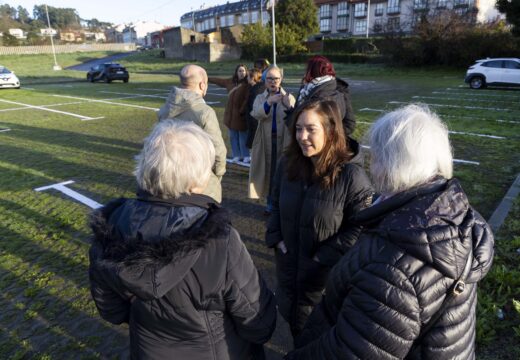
[454, 160]
[5, 130]
[109, 102]
[370, 109]
[134, 95]
[475, 95]
[479, 118]
[50, 110]
[214, 94]
[457, 106]
[149, 89]
[480, 135]
[461, 99]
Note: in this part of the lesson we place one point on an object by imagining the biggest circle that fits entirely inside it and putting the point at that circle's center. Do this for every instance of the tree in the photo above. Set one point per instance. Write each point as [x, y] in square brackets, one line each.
[9, 40]
[511, 8]
[59, 17]
[23, 15]
[299, 16]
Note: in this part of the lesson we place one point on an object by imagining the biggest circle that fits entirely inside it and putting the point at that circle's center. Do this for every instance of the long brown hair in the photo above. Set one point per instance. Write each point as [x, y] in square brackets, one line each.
[335, 152]
[235, 74]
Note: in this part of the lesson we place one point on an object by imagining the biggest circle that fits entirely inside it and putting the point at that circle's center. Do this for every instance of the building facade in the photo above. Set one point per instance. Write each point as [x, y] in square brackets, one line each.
[338, 18]
[224, 16]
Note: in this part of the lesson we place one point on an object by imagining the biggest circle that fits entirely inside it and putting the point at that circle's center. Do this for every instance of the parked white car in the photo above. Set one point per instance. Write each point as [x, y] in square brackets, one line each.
[8, 79]
[498, 71]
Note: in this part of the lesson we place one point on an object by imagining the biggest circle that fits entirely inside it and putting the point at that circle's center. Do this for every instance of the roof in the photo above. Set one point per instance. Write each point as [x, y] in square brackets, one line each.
[229, 8]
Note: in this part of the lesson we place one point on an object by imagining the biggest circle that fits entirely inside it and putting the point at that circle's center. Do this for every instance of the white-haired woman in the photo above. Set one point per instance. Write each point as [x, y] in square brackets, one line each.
[420, 238]
[169, 263]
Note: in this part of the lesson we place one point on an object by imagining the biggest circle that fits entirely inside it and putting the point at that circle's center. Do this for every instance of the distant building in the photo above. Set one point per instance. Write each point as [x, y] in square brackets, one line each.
[48, 32]
[17, 33]
[136, 33]
[339, 18]
[227, 15]
[114, 34]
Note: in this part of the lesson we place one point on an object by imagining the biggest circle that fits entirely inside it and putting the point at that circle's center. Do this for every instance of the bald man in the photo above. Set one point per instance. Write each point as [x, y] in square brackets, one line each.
[186, 102]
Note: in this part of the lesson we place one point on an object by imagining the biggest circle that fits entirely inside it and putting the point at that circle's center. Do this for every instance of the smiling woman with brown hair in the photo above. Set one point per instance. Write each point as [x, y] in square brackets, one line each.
[319, 185]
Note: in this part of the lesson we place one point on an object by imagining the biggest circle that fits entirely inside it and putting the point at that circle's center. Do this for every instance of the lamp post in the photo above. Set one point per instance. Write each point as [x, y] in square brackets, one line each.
[368, 16]
[56, 66]
[272, 3]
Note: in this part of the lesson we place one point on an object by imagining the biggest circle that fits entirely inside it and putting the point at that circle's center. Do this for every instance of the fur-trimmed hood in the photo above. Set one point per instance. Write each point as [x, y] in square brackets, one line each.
[147, 245]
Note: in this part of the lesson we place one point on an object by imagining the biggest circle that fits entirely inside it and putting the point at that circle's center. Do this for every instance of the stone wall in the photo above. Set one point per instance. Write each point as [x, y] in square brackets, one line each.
[60, 49]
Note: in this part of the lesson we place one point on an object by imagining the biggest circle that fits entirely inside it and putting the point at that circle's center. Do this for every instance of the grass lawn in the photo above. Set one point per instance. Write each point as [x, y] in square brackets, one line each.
[58, 127]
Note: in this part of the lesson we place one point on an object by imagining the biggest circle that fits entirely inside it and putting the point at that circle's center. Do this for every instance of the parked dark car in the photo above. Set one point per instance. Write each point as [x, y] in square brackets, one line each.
[107, 72]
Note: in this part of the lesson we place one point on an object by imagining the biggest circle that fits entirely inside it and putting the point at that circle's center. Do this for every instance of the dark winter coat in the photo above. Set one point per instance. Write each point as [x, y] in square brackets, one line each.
[313, 222]
[335, 90]
[413, 247]
[235, 114]
[177, 272]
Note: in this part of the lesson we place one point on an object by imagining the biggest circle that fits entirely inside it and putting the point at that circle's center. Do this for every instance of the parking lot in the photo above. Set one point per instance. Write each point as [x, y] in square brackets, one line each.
[89, 134]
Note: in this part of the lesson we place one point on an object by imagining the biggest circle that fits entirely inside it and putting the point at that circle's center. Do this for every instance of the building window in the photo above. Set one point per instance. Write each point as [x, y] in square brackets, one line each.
[378, 25]
[380, 8]
[254, 17]
[343, 8]
[360, 26]
[230, 20]
[324, 25]
[187, 24]
[223, 21]
[245, 18]
[325, 11]
[393, 24]
[419, 4]
[460, 3]
[442, 4]
[342, 23]
[212, 23]
[393, 7]
[266, 17]
[360, 10]
[198, 27]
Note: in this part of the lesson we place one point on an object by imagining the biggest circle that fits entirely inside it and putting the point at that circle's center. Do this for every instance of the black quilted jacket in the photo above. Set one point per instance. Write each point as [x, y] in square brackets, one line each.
[177, 272]
[395, 278]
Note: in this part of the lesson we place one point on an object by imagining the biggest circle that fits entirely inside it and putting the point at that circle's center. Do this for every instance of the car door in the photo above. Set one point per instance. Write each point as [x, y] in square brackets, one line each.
[493, 71]
[511, 72]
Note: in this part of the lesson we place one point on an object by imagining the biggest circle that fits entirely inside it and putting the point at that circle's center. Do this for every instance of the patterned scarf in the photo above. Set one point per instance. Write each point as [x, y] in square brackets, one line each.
[307, 88]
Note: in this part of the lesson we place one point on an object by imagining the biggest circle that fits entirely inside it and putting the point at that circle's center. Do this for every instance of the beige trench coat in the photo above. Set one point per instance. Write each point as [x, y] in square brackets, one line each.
[261, 149]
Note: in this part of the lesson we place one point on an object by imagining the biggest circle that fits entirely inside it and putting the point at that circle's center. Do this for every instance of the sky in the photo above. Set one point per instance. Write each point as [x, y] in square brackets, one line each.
[165, 12]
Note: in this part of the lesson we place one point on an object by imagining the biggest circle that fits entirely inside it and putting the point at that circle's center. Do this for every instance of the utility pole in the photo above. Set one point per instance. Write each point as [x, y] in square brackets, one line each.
[274, 33]
[368, 16]
[56, 66]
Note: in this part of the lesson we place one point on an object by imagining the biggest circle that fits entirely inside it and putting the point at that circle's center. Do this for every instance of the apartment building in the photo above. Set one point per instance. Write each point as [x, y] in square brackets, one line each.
[221, 16]
[339, 18]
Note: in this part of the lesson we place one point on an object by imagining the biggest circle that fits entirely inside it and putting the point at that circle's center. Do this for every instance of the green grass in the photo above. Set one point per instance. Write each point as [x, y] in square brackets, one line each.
[46, 308]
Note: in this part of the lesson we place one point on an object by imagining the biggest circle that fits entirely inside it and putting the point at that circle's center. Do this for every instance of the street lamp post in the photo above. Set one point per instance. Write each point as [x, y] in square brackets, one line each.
[368, 16]
[56, 66]
[274, 33]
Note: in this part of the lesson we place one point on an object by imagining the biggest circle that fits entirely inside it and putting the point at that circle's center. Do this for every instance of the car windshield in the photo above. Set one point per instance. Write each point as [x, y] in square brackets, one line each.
[4, 70]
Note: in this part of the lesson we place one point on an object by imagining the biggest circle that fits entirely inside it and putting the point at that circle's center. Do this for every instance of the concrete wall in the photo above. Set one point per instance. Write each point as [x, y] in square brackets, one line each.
[47, 49]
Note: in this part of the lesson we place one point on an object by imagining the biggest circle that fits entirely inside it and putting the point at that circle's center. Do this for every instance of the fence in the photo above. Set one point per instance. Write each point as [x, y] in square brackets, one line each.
[47, 49]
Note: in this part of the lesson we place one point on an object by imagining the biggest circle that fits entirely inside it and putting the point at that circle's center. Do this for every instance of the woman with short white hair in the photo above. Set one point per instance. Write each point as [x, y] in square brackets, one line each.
[170, 264]
[408, 287]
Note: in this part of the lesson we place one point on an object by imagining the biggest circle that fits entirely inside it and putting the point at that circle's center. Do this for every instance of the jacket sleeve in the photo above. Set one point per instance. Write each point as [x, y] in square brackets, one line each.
[379, 318]
[349, 121]
[225, 83]
[248, 300]
[113, 305]
[164, 111]
[359, 197]
[211, 126]
[258, 111]
[273, 234]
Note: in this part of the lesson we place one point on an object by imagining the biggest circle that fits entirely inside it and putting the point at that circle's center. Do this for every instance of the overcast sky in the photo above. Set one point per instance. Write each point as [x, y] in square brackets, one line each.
[163, 11]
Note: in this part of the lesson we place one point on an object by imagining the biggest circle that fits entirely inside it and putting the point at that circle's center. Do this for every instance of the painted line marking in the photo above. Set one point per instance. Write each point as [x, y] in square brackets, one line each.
[499, 215]
[212, 102]
[5, 130]
[73, 194]
[457, 106]
[45, 109]
[208, 93]
[27, 88]
[454, 160]
[135, 95]
[479, 118]
[370, 109]
[461, 99]
[475, 95]
[150, 89]
[108, 102]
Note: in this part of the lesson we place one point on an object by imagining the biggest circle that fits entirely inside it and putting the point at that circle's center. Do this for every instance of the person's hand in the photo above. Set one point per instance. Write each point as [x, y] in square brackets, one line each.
[276, 98]
[281, 246]
[286, 101]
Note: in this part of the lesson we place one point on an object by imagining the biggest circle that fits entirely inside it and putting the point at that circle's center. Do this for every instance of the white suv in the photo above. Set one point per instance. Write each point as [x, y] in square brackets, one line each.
[499, 71]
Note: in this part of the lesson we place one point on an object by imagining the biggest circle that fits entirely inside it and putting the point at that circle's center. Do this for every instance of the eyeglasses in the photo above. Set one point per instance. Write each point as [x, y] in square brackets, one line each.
[273, 79]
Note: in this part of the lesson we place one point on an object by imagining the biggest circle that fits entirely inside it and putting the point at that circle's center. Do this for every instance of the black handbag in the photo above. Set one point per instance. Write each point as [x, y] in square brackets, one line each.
[455, 290]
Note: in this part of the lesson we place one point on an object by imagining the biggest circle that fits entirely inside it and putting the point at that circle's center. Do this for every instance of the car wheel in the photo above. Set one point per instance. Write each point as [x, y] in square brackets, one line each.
[477, 82]
[106, 79]
[125, 80]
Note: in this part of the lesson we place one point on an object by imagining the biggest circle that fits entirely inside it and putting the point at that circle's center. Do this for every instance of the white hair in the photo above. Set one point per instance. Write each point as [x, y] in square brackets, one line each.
[177, 156]
[409, 146]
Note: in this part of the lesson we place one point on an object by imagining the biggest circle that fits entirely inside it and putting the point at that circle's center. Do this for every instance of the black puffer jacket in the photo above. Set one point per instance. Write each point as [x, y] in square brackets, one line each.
[313, 222]
[335, 90]
[178, 273]
[414, 245]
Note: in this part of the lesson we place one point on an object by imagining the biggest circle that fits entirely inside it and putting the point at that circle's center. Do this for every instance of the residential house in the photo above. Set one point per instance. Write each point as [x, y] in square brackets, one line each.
[136, 33]
[18, 33]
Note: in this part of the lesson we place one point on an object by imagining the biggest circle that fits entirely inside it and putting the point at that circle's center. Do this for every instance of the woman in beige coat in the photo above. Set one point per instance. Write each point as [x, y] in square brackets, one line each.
[271, 136]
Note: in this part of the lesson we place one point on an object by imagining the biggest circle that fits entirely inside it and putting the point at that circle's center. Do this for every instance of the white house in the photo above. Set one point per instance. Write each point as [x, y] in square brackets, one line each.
[136, 33]
[17, 33]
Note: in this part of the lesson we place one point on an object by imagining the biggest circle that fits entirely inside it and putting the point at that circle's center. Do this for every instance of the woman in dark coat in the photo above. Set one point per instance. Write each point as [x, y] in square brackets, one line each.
[320, 83]
[418, 239]
[240, 75]
[319, 185]
[170, 264]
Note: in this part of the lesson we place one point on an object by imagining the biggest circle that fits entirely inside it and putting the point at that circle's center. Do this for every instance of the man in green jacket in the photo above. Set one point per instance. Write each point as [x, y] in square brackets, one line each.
[187, 103]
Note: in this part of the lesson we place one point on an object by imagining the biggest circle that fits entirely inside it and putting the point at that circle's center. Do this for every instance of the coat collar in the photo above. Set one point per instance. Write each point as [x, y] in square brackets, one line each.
[199, 200]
